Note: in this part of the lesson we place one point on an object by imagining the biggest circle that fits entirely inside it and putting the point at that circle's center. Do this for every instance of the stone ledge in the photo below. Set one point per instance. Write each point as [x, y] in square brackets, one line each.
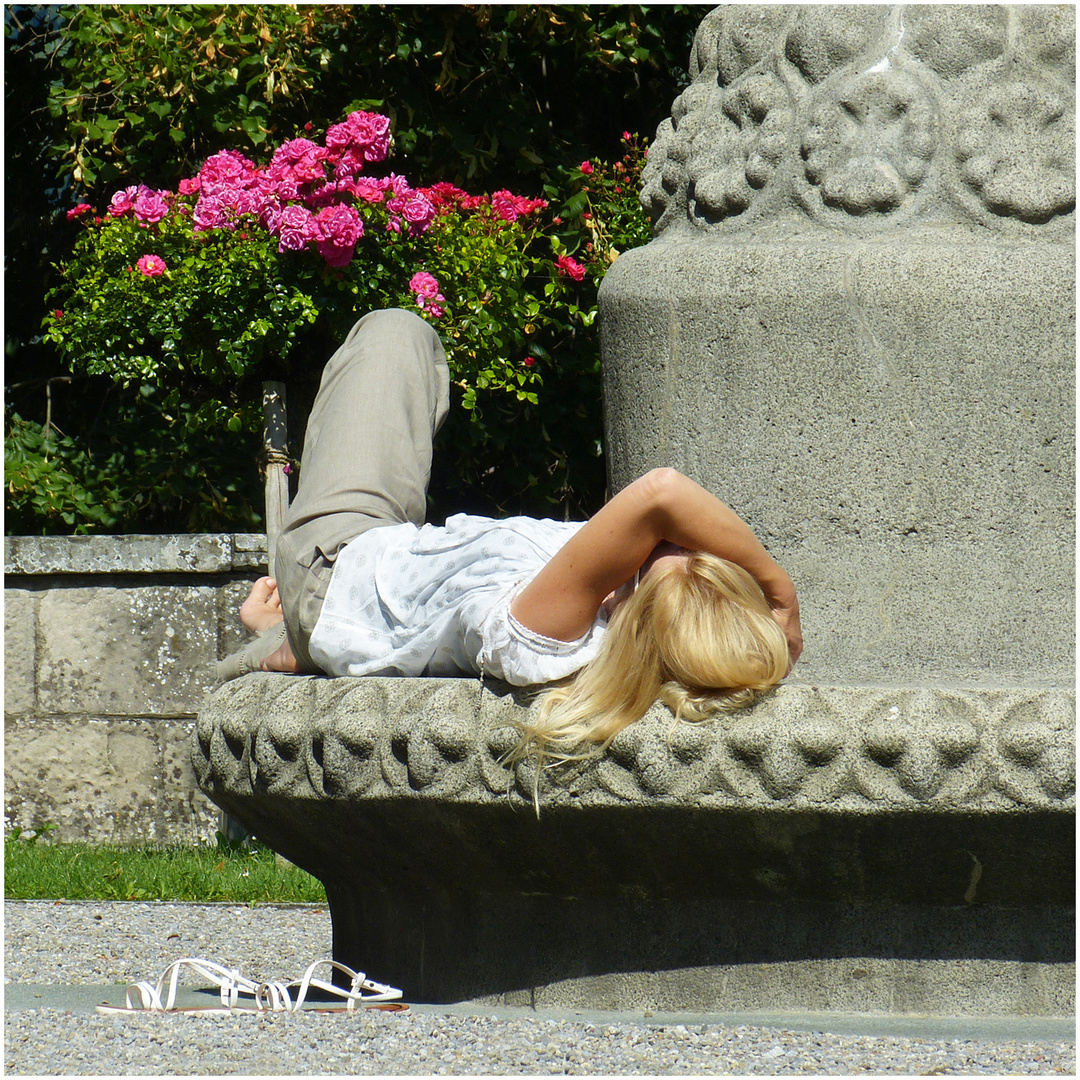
[870, 849]
[835, 749]
[828, 794]
[208, 553]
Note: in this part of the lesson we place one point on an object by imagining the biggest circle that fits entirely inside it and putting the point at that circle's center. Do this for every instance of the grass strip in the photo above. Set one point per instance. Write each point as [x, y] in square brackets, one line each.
[231, 872]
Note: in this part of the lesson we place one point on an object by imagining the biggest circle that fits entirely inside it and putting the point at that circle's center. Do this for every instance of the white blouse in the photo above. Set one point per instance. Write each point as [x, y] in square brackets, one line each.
[436, 600]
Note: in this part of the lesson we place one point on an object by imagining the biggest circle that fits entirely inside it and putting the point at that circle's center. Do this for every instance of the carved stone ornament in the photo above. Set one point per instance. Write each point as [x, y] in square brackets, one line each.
[845, 749]
[865, 117]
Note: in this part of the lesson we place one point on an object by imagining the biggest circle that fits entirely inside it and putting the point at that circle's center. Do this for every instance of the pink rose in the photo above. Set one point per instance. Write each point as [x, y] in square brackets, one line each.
[336, 230]
[503, 205]
[570, 267]
[226, 169]
[367, 189]
[151, 265]
[414, 208]
[367, 134]
[586, 167]
[510, 207]
[78, 211]
[150, 206]
[428, 298]
[210, 213]
[189, 187]
[293, 228]
[446, 198]
[297, 162]
[350, 164]
[397, 184]
[425, 285]
[123, 201]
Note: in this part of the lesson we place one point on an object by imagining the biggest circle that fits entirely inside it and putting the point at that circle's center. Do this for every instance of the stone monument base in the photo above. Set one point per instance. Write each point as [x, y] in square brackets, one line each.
[834, 848]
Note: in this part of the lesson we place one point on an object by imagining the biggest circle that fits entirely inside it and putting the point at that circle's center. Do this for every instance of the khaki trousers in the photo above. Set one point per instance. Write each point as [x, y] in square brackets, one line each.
[367, 456]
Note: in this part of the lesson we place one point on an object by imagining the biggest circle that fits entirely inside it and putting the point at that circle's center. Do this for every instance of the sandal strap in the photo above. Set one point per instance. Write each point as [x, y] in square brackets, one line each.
[275, 996]
[358, 983]
[148, 996]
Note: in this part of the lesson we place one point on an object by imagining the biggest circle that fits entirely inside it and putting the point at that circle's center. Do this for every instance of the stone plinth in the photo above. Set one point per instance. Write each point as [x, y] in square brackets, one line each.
[856, 324]
[836, 848]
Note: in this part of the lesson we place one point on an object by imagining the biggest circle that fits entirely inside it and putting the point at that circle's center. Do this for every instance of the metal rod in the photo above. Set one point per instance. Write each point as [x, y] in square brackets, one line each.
[275, 447]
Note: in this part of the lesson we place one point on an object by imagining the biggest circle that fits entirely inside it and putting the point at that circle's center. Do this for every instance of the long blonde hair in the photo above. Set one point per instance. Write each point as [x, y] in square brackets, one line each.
[696, 634]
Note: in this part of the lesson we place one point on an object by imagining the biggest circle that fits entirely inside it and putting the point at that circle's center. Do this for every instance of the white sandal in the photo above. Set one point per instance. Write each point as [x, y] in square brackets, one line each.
[359, 982]
[268, 996]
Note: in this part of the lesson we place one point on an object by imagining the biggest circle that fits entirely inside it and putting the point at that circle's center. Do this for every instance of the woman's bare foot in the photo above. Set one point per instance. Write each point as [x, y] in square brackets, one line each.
[262, 608]
[259, 612]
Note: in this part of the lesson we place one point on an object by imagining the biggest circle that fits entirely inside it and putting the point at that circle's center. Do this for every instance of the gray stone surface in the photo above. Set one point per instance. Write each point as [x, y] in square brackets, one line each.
[20, 641]
[894, 420]
[858, 750]
[863, 118]
[194, 553]
[105, 781]
[108, 640]
[888, 849]
[856, 324]
[114, 651]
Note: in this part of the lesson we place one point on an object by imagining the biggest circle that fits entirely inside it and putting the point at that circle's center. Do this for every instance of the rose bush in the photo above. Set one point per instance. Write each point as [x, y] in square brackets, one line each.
[248, 272]
[242, 257]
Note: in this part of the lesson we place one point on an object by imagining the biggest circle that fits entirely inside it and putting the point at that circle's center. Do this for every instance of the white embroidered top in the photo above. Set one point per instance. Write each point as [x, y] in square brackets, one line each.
[436, 600]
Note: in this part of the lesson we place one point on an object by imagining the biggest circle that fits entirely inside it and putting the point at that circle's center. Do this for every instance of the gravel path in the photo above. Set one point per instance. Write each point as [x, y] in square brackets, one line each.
[90, 944]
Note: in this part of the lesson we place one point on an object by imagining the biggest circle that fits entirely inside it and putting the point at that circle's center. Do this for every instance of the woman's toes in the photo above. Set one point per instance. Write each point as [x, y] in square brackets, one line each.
[263, 589]
[262, 608]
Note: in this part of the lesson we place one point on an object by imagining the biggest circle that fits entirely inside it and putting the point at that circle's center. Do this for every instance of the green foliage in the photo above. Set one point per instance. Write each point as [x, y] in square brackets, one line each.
[248, 874]
[145, 86]
[52, 483]
[226, 307]
[226, 303]
[474, 90]
[107, 95]
[145, 468]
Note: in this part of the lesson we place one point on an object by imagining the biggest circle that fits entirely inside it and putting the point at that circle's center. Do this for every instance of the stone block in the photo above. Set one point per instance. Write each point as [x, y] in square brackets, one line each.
[249, 552]
[914, 472]
[126, 651]
[761, 847]
[184, 553]
[20, 642]
[99, 781]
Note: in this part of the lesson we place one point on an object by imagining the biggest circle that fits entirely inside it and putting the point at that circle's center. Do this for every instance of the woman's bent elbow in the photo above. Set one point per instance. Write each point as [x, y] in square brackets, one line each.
[663, 481]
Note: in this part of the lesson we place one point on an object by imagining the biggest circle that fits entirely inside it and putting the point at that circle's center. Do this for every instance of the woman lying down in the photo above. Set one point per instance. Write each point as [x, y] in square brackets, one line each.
[664, 594]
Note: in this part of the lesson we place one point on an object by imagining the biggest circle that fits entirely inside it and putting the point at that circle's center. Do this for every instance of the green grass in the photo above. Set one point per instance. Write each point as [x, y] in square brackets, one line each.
[229, 872]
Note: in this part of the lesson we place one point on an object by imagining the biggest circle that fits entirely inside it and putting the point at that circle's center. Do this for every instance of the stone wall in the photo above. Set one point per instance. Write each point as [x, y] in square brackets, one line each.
[109, 650]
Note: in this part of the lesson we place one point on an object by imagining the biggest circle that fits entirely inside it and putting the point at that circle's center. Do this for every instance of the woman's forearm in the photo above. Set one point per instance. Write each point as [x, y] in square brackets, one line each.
[695, 519]
[563, 598]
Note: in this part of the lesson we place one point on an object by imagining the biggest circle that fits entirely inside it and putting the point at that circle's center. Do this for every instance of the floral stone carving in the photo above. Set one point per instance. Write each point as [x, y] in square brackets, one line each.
[835, 748]
[868, 117]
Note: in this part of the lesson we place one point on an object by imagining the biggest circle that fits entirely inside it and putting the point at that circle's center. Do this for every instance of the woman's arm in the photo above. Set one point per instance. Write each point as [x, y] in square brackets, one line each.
[562, 600]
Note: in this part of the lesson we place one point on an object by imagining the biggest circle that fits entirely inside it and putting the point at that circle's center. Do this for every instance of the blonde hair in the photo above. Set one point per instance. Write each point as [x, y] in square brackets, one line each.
[697, 634]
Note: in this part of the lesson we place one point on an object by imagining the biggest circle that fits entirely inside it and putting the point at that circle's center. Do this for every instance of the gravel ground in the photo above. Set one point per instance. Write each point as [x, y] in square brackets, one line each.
[103, 944]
